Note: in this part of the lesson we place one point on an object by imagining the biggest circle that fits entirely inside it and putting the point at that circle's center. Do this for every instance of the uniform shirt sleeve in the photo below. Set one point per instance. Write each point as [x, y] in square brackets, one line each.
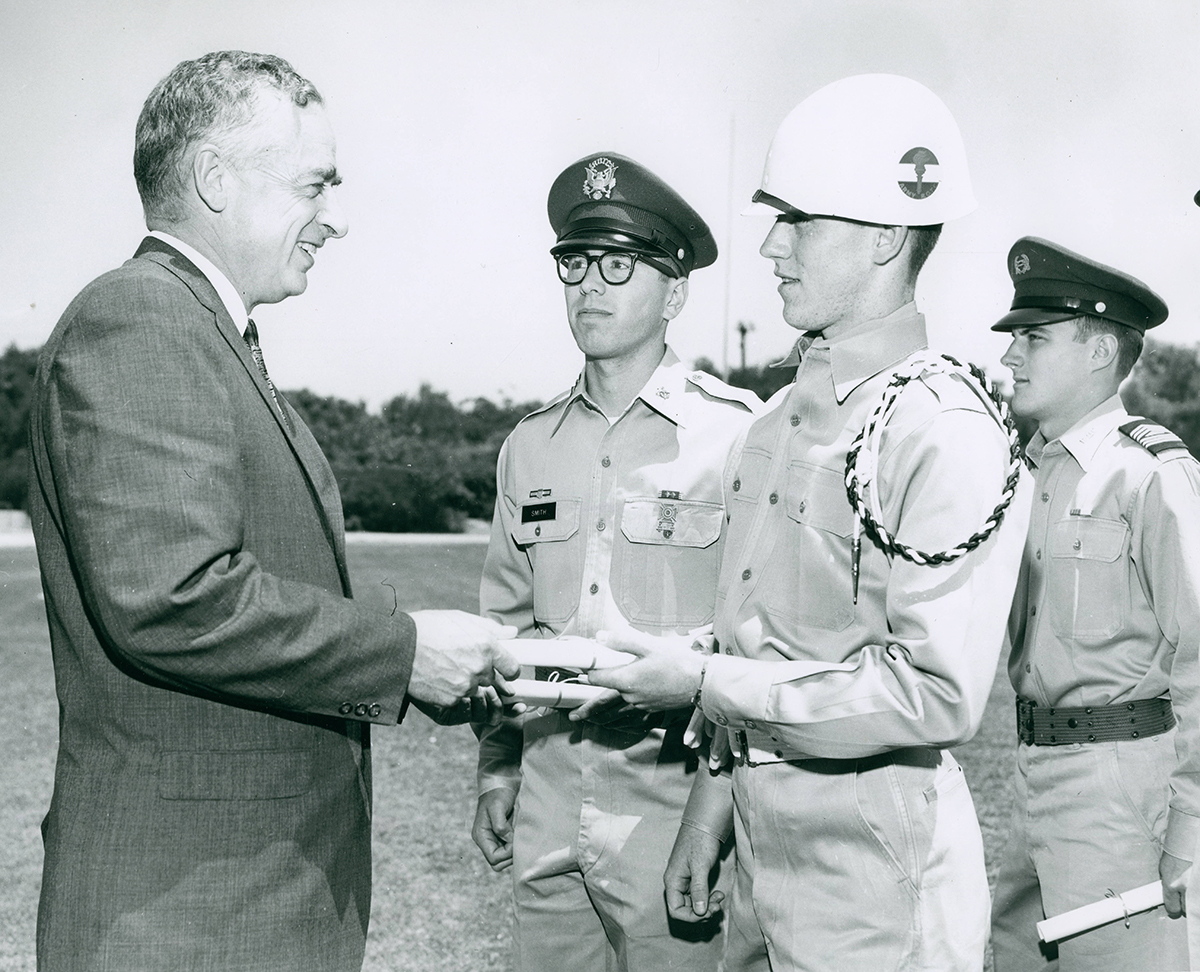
[1166, 545]
[927, 679]
[505, 596]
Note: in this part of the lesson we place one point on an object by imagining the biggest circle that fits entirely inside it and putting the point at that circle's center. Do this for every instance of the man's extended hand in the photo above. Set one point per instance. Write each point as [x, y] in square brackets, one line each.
[456, 653]
[492, 830]
[665, 676]
[1174, 874]
[488, 706]
[686, 877]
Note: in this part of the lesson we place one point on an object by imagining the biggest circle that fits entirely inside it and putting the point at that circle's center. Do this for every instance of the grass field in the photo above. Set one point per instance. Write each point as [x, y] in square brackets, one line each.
[437, 907]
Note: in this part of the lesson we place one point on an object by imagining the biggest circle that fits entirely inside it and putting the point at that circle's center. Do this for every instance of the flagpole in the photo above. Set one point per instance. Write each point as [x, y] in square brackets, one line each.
[728, 252]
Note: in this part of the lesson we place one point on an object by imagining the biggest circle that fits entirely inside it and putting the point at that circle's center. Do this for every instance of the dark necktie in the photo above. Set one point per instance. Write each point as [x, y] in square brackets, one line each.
[251, 339]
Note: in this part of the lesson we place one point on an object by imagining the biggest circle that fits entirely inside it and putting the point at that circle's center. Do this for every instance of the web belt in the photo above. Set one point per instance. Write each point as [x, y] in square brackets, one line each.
[1040, 725]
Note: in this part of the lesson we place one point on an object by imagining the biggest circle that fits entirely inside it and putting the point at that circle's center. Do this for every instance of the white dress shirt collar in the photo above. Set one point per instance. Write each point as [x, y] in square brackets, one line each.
[225, 290]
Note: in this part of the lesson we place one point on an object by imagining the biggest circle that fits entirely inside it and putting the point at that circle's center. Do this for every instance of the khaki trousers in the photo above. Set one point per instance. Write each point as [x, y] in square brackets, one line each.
[864, 865]
[595, 822]
[1088, 818]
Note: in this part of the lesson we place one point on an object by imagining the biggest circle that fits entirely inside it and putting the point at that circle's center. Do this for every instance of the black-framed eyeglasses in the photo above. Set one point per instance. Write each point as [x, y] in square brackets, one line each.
[616, 266]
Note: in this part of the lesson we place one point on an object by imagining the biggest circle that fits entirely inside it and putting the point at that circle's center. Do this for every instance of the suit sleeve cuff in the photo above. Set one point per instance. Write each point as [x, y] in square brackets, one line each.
[406, 648]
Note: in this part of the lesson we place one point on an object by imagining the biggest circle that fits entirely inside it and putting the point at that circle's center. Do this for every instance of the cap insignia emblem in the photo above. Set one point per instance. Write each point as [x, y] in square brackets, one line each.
[920, 159]
[601, 178]
[663, 393]
[1021, 264]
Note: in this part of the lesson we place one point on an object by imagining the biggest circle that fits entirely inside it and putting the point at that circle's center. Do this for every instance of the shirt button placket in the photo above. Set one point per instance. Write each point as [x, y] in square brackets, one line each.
[598, 556]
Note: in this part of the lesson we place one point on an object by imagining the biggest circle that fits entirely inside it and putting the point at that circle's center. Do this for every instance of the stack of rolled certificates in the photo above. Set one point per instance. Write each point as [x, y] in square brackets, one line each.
[577, 654]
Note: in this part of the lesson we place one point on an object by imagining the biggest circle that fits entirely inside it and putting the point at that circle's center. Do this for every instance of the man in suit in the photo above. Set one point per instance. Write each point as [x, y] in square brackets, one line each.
[212, 797]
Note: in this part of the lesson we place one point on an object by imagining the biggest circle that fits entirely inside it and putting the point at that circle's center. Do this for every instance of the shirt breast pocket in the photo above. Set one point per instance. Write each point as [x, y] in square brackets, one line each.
[556, 554]
[669, 560]
[810, 578]
[1087, 584]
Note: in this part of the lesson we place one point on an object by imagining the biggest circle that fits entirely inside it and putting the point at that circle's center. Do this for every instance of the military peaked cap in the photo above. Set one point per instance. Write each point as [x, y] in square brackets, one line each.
[612, 202]
[1053, 284]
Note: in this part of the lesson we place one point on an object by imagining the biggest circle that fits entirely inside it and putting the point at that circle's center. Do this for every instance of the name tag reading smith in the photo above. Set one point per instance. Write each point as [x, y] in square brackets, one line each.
[538, 511]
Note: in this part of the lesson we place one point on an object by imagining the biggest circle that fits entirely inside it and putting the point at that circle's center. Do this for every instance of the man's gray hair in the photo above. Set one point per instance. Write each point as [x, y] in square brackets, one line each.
[209, 97]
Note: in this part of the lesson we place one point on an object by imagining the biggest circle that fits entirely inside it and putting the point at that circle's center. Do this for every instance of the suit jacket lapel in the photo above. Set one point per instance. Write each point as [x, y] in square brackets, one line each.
[161, 253]
[304, 447]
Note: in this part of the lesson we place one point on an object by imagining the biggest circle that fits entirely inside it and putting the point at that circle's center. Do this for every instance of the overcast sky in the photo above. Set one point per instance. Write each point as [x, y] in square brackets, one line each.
[1081, 120]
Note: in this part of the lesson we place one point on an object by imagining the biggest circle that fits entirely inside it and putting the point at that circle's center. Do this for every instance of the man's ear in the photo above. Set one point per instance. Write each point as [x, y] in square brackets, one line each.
[676, 298]
[211, 176]
[888, 243]
[1105, 351]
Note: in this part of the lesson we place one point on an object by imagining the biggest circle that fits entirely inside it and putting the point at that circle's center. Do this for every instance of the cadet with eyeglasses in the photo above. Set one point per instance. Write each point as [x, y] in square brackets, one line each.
[1105, 629]
[610, 514]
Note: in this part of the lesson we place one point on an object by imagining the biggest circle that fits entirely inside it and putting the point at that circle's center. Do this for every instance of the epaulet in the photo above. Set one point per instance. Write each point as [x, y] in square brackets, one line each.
[717, 388]
[556, 400]
[1160, 442]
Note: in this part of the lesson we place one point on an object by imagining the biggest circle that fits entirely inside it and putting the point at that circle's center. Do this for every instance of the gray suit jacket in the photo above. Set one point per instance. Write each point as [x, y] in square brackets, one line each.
[211, 805]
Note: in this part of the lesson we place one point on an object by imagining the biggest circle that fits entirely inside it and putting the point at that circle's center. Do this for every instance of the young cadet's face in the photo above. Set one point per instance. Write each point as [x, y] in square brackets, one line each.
[615, 320]
[1050, 370]
[821, 264]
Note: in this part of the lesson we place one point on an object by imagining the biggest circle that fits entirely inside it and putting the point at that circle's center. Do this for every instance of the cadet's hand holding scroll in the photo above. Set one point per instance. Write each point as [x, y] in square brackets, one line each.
[665, 676]
[1173, 872]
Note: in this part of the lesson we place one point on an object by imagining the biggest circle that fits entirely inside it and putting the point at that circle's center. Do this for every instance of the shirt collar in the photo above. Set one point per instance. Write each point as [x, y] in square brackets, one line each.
[866, 349]
[225, 290]
[664, 392]
[873, 346]
[1082, 440]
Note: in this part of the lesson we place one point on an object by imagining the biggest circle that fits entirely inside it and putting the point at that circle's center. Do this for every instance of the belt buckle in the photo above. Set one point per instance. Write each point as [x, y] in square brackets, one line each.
[1025, 721]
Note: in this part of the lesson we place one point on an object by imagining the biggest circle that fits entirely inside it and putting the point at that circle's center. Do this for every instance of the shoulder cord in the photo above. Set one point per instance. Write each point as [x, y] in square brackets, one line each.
[862, 465]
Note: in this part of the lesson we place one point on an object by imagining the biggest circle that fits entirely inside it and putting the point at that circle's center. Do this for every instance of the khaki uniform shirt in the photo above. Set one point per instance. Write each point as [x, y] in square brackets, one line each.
[803, 669]
[605, 524]
[1108, 605]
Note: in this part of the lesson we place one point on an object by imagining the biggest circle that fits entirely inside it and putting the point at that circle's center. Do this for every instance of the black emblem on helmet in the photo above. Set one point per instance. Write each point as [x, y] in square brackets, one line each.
[919, 158]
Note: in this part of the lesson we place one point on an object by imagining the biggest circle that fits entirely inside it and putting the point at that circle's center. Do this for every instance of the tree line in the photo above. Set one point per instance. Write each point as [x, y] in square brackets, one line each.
[425, 463]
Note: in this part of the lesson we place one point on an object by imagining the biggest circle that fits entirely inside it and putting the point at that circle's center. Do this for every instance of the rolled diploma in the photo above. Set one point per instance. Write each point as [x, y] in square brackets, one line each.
[558, 695]
[581, 653]
[1101, 912]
